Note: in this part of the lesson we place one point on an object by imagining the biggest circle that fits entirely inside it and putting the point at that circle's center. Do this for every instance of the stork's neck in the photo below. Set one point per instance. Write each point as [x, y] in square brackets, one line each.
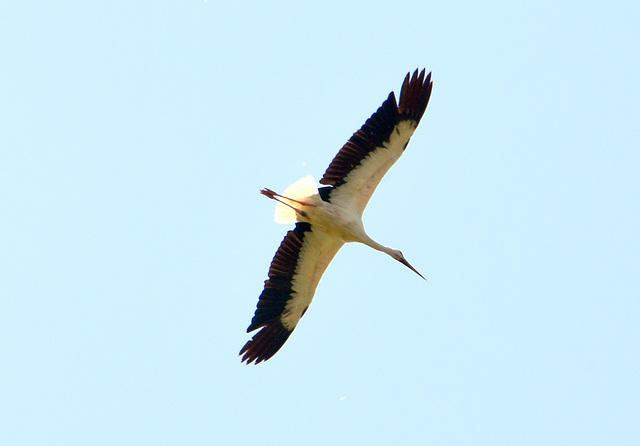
[377, 246]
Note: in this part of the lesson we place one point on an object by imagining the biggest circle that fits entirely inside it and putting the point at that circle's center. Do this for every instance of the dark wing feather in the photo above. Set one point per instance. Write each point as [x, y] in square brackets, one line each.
[357, 169]
[265, 343]
[372, 134]
[277, 288]
[273, 300]
[294, 273]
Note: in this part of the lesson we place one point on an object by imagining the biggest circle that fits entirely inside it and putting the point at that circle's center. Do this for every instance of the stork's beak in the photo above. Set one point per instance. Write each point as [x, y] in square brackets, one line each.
[408, 265]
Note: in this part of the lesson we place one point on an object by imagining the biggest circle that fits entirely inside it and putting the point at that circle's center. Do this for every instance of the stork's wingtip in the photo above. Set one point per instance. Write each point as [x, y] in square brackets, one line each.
[421, 76]
[265, 343]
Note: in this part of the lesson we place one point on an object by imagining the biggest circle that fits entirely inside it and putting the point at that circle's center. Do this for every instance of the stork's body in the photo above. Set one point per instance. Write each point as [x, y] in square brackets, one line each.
[331, 216]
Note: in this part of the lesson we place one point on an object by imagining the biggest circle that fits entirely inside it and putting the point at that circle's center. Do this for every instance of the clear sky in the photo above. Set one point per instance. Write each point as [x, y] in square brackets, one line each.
[136, 135]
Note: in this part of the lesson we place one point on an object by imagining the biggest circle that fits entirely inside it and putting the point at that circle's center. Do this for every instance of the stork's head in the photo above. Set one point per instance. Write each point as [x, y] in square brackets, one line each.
[400, 258]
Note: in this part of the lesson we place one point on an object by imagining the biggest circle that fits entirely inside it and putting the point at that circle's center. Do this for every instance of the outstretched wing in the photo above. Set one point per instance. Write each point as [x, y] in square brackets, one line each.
[357, 169]
[295, 271]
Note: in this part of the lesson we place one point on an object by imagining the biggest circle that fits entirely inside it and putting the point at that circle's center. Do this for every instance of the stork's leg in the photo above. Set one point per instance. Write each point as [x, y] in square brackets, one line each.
[271, 194]
[274, 196]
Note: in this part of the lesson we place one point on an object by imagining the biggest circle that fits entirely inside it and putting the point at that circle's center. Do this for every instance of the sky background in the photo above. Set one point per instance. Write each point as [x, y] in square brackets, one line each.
[135, 137]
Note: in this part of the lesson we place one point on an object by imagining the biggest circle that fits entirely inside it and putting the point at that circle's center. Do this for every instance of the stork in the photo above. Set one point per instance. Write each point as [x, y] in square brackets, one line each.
[328, 217]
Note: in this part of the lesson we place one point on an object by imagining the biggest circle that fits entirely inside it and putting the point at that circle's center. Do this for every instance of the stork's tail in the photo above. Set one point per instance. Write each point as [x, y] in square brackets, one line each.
[301, 189]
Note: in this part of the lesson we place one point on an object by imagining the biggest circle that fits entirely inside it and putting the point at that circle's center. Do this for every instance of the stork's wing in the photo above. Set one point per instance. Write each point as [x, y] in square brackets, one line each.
[295, 271]
[359, 166]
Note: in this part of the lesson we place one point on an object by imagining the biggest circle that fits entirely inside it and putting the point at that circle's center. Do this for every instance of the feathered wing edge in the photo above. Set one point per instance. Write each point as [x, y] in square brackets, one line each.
[273, 300]
[414, 97]
[265, 343]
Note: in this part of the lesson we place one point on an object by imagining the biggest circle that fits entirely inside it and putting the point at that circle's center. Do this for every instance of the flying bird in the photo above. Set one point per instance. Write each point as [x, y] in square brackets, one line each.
[328, 217]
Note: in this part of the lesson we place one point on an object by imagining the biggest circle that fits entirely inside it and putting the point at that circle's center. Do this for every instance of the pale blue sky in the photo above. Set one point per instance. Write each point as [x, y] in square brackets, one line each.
[134, 243]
